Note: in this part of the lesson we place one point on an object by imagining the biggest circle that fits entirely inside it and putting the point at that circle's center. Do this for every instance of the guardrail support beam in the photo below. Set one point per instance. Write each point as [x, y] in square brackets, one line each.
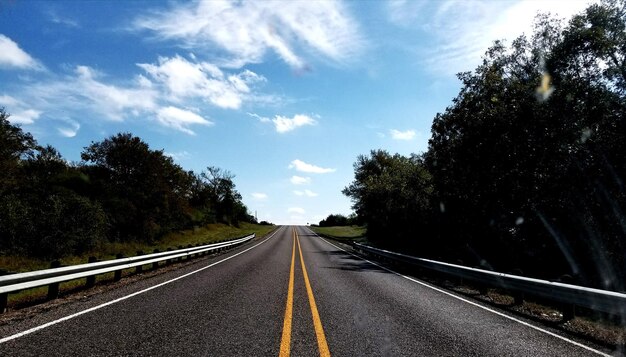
[91, 280]
[139, 268]
[155, 265]
[169, 261]
[53, 289]
[118, 273]
[4, 300]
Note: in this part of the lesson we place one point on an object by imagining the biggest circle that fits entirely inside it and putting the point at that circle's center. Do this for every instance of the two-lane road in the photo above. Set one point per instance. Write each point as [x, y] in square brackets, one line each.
[290, 294]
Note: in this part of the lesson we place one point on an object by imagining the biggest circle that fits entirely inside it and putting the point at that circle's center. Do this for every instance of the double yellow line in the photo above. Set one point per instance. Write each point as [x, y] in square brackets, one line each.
[285, 342]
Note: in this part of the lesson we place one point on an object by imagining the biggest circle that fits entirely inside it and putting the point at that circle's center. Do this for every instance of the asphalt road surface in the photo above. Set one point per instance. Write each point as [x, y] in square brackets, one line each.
[290, 294]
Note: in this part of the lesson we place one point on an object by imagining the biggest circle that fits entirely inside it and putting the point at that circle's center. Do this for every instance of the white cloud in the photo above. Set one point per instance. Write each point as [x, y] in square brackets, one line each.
[403, 12]
[180, 119]
[110, 100]
[461, 31]
[66, 21]
[304, 167]
[185, 79]
[12, 56]
[285, 124]
[27, 116]
[259, 196]
[246, 30]
[306, 192]
[179, 155]
[84, 92]
[7, 100]
[299, 180]
[70, 130]
[19, 112]
[260, 118]
[297, 210]
[402, 135]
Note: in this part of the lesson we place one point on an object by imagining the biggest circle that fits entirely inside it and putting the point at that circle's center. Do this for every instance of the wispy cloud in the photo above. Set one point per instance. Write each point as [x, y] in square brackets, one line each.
[247, 30]
[68, 100]
[297, 210]
[27, 116]
[12, 56]
[20, 113]
[299, 180]
[85, 91]
[260, 118]
[461, 31]
[62, 20]
[70, 129]
[180, 119]
[404, 12]
[307, 193]
[179, 155]
[302, 166]
[188, 79]
[402, 135]
[7, 100]
[111, 100]
[259, 196]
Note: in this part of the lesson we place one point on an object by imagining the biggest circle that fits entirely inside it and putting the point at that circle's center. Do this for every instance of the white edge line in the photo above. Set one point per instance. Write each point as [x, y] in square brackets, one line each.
[473, 303]
[97, 307]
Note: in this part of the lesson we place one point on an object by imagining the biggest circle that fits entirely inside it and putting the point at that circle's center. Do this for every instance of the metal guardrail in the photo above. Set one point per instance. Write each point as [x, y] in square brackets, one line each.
[52, 277]
[566, 294]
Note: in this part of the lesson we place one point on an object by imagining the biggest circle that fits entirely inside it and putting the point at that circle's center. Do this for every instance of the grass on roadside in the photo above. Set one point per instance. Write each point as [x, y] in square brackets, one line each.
[208, 234]
[347, 233]
[108, 250]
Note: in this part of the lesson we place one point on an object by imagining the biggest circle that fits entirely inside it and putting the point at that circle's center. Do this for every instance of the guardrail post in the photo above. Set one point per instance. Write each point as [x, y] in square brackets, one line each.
[4, 300]
[191, 254]
[155, 265]
[139, 268]
[181, 258]
[118, 273]
[568, 310]
[518, 296]
[169, 261]
[91, 280]
[482, 288]
[460, 280]
[53, 289]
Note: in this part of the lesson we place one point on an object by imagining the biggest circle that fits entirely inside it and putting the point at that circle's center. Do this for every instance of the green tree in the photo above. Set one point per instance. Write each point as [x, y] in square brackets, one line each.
[334, 220]
[15, 145]
[143, 192]
[223, 197]
[528, 160]
[391, 194]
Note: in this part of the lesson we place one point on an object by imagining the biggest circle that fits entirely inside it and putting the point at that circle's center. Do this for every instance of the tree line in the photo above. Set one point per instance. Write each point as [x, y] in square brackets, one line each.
[334, 220]
[121, 190]
[525, 168]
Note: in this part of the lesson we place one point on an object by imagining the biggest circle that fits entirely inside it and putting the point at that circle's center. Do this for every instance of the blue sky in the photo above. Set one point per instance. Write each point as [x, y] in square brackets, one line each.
[284, 94]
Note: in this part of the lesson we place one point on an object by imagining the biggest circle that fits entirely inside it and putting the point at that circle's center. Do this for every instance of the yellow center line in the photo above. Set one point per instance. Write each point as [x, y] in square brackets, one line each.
[285, 342]
[317, 323]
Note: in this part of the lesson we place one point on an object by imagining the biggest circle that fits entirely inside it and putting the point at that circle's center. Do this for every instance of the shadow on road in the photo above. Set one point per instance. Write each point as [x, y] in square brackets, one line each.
[349, 262]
